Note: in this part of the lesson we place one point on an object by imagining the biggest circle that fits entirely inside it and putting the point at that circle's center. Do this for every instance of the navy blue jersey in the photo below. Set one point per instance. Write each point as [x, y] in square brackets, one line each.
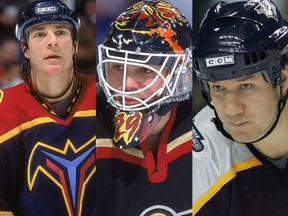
[233, 179]
[47, 159]
[132, 182]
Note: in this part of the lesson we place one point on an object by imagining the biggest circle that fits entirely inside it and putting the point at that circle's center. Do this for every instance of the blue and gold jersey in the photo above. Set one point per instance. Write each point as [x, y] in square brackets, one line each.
[231, 178]
[47, 159]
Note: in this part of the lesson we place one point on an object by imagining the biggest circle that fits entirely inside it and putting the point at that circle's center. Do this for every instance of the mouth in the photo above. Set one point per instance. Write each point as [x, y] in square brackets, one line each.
[238, 126]
[131, 102]
[128, 101]
[52, 57]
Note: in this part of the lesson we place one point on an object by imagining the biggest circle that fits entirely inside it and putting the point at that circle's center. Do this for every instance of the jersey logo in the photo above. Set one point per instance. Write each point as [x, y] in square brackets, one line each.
[267, 8]
[196, 139]
[126, 126]
[160, 210]
[70, 175]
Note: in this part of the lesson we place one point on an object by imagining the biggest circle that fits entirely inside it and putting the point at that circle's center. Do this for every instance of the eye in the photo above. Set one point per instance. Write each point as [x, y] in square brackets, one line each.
[118, 67]
[61, 32]
[246, 86]
[218, 88]
[145, 70]
[38, 34]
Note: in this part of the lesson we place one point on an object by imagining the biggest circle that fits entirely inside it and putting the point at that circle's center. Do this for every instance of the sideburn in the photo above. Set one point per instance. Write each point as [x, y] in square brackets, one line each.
[25, 66]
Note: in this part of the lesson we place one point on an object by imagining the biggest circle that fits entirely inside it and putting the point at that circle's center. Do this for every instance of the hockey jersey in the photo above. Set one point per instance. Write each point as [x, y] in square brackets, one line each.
[233, 179]
[47, 160]
[132, 182]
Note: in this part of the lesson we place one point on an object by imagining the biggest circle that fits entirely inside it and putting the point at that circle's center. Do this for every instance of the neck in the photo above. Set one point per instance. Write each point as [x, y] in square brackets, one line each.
[54, 88]
[274, 146]
[153, 140]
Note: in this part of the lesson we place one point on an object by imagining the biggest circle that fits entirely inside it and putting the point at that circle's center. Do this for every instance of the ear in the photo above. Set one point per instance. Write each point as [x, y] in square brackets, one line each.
[75, 49]
[284, 77]
[24, 47]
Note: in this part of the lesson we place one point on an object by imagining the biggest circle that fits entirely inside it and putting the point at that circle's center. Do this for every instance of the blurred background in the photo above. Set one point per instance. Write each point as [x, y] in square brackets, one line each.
[104, 11]
[200, 8]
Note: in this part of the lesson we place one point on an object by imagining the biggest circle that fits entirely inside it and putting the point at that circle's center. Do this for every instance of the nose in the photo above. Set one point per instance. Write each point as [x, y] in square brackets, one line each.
[233, 104]
[131, 81]
[51, 40]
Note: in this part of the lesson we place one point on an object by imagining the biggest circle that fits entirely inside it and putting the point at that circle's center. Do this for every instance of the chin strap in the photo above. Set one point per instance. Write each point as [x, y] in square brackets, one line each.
[219, 124]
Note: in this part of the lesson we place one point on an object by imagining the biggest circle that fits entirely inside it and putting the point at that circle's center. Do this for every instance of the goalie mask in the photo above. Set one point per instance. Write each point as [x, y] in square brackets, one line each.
[145, 61]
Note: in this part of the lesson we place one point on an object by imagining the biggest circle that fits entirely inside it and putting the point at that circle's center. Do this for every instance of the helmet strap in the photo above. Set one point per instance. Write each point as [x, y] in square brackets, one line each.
[74, 56]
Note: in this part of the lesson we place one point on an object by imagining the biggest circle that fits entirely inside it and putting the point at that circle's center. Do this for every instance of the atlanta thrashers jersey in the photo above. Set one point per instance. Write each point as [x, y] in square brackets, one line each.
[231, 178]
[47, 161]
[130, 182]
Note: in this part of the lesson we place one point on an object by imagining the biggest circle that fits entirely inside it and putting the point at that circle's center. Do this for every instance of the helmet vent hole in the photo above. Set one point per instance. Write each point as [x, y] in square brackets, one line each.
[262, 55]
[252, 58]
[247, 59]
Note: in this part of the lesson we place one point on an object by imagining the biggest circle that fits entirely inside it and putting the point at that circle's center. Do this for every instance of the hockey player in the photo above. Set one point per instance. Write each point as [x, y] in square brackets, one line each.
[47, 124]
[239, 140]
[145, 73]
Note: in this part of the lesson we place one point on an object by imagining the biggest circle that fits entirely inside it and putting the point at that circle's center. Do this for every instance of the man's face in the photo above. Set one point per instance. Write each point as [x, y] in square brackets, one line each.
[246, 106]
[140, 82]
[50, 49]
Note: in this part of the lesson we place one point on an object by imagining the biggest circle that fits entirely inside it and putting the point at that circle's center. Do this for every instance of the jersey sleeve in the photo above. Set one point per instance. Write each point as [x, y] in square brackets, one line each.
[5, 171]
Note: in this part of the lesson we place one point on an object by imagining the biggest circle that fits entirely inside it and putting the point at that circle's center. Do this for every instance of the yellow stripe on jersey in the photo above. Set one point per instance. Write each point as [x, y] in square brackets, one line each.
[23, 127]
[39, 121]
[223, 180]
[179, 141]
[6, 213]
[85, 113]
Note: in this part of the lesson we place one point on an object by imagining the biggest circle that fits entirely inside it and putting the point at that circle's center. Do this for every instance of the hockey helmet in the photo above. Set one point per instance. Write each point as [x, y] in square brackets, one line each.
[239, 39]
[46, 11]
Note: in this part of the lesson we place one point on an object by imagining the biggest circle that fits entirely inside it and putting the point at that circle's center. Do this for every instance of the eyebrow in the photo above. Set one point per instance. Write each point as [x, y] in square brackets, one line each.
[57, 26]
[241, 79]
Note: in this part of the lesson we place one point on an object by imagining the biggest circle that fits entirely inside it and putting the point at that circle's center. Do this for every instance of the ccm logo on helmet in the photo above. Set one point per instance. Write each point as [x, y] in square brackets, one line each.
[217, 61]
[44, 10]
